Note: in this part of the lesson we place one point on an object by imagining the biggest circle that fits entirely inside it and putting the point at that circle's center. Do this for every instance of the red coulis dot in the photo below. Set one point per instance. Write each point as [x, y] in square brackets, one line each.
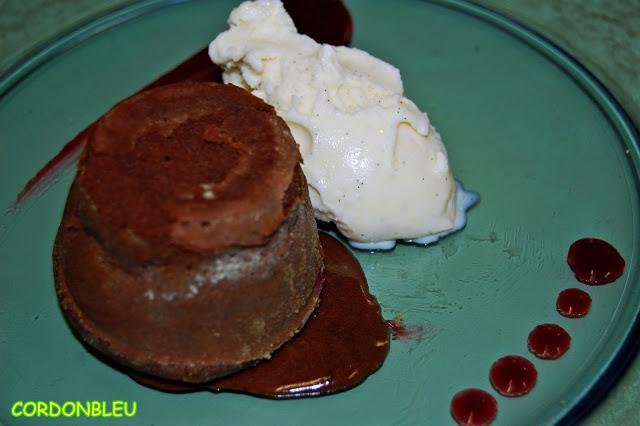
[513, 375]
[549, 341]
[473, 407]
[573, 303]
[595, 262]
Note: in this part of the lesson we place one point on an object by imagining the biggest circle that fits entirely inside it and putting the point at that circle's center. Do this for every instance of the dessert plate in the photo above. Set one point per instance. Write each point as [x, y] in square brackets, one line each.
[551, 153]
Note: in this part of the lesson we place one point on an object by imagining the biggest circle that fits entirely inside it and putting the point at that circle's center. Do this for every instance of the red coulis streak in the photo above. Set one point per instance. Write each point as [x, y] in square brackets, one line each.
[310, 18]
[52, 169]
[549, 341]
[513, 375]
[573, 303]
[473, 407]
[595, 262]
[197, 68]
[399, 330]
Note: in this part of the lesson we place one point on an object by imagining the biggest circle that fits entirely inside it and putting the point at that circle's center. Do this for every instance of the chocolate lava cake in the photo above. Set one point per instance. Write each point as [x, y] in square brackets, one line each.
[188, 248]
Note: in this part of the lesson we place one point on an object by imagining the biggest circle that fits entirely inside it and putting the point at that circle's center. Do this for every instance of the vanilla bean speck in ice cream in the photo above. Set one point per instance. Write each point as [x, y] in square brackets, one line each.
[375, 165]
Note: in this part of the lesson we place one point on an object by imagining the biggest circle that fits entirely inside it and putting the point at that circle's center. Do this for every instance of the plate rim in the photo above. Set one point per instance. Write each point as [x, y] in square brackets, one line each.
[628, 349]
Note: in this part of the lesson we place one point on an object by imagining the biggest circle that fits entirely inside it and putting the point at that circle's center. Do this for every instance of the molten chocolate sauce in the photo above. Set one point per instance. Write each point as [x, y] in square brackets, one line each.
[549, 341]
[595, 261]
[473, 407]
[573, 303]
[342, 343]
[513, 375]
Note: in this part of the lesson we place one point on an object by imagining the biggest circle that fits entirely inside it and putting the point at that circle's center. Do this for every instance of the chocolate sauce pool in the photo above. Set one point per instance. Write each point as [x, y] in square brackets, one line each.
[344, 341]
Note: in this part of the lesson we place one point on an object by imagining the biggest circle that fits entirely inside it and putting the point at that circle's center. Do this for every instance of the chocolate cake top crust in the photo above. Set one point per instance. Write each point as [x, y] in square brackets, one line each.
[175, 168]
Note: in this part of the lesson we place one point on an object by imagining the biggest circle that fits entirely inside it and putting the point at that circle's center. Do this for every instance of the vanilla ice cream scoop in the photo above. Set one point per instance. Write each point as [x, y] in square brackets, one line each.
[374, 164]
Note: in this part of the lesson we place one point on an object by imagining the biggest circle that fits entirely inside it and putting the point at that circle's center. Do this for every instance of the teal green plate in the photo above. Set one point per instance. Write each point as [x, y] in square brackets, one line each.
[550, 152]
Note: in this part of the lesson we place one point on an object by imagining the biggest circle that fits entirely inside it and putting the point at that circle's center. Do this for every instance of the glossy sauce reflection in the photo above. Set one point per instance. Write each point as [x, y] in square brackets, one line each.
[344, 341]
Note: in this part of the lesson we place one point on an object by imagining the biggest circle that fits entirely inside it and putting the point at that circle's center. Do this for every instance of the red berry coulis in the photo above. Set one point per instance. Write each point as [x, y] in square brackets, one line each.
[513, 375]
[473, 407]
[573, 303]
[595, 262]
[549, 341]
